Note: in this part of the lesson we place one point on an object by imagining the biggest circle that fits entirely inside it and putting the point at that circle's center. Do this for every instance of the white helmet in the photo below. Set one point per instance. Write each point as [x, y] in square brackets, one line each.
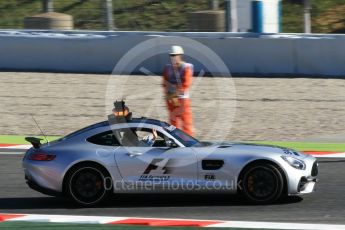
[176, 50]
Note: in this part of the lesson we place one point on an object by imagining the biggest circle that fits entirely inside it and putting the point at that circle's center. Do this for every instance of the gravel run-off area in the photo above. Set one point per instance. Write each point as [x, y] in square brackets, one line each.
[223, 108]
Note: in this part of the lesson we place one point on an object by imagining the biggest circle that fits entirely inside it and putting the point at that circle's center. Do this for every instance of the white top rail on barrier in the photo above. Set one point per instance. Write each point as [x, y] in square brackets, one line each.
[243, 53]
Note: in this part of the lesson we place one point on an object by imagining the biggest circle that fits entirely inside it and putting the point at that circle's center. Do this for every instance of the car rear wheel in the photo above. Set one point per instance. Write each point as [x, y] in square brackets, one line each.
[88, 185]
[262, 183]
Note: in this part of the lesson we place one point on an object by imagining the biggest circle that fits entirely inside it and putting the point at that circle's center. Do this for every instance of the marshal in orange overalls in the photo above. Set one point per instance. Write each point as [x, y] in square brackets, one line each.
[176, 85]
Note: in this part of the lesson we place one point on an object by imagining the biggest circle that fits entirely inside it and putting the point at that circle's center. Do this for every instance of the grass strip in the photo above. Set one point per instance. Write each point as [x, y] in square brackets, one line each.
[20, 139]
[301, 146]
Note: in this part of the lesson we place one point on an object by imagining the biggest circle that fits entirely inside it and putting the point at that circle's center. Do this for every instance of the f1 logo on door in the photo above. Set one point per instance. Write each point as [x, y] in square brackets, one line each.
[159, 165]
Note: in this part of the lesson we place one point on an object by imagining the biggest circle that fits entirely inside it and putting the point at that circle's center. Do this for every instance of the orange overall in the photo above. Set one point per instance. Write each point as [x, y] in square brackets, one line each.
[179, 104]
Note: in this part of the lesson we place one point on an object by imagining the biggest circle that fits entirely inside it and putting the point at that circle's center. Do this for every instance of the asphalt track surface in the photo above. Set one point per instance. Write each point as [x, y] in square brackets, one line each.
[325, 205]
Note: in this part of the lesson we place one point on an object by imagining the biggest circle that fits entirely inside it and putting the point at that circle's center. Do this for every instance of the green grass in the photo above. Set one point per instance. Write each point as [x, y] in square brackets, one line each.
[292, 20]
[307, 146]
[18, 139]
[301, 146]
[164, 15]
[167, 15]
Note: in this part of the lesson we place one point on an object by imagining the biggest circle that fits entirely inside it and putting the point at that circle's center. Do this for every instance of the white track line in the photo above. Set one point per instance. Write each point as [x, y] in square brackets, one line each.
[24, 147]
[11, 153]
[277, 225]
[219, 223]
[68, 219]
[331, 155]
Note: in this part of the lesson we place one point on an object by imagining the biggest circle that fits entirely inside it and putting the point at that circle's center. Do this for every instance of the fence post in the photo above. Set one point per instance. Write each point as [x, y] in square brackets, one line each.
[213, 4]
[48, 6]
[108, 15]
[257, 16]
[231, 20]
[307, 17]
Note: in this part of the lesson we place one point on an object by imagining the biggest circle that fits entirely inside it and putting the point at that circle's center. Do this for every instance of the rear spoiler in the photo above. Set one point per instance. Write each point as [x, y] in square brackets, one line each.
[36, 142]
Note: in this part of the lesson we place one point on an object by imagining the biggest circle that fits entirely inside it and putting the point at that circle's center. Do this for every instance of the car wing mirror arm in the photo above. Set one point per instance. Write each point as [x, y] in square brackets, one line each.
[171, 143]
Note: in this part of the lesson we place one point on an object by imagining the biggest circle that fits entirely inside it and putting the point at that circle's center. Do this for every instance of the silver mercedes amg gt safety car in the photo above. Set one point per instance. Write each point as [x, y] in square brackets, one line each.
[104, 158]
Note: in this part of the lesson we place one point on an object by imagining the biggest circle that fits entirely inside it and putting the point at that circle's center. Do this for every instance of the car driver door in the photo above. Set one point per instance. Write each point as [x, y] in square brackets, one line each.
[158, 165]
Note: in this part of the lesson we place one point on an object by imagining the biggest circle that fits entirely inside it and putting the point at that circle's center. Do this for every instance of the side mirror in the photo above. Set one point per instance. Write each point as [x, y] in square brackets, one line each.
[171, 143]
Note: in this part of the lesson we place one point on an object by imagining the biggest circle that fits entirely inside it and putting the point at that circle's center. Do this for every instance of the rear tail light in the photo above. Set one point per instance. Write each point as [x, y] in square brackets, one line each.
[41, 157]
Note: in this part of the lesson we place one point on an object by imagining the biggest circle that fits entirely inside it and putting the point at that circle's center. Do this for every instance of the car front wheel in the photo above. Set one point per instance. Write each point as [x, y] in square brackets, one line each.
[262, 183]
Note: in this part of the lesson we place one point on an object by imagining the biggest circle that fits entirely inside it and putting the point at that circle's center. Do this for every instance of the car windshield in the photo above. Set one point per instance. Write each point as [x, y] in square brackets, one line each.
[183, 137]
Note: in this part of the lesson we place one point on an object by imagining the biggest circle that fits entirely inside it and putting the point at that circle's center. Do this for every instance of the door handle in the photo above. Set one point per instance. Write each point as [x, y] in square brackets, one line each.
[134, 154]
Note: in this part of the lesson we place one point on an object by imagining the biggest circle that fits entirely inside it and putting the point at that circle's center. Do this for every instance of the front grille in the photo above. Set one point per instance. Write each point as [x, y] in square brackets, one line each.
[315, 169]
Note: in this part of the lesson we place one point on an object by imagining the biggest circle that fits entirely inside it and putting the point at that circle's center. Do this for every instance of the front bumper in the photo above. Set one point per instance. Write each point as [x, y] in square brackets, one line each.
[306, 185]
[303, 182]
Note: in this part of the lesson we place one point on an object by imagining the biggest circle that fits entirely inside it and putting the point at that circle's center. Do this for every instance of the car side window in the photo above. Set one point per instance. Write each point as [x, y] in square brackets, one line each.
[139, 137]
[106, 138]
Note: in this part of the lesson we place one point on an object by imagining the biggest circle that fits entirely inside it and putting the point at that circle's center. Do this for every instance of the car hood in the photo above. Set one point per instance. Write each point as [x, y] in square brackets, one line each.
[253, 148]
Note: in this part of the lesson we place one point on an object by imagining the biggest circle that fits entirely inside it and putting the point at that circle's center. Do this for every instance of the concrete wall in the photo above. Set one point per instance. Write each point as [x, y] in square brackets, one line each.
[243, 53]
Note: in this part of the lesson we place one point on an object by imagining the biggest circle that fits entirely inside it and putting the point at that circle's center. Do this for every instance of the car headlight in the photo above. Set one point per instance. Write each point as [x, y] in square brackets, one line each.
[296, 163]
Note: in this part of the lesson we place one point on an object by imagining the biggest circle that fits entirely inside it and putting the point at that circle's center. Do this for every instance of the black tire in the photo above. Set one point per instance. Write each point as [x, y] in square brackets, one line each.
[262, 183]
[88, 185]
